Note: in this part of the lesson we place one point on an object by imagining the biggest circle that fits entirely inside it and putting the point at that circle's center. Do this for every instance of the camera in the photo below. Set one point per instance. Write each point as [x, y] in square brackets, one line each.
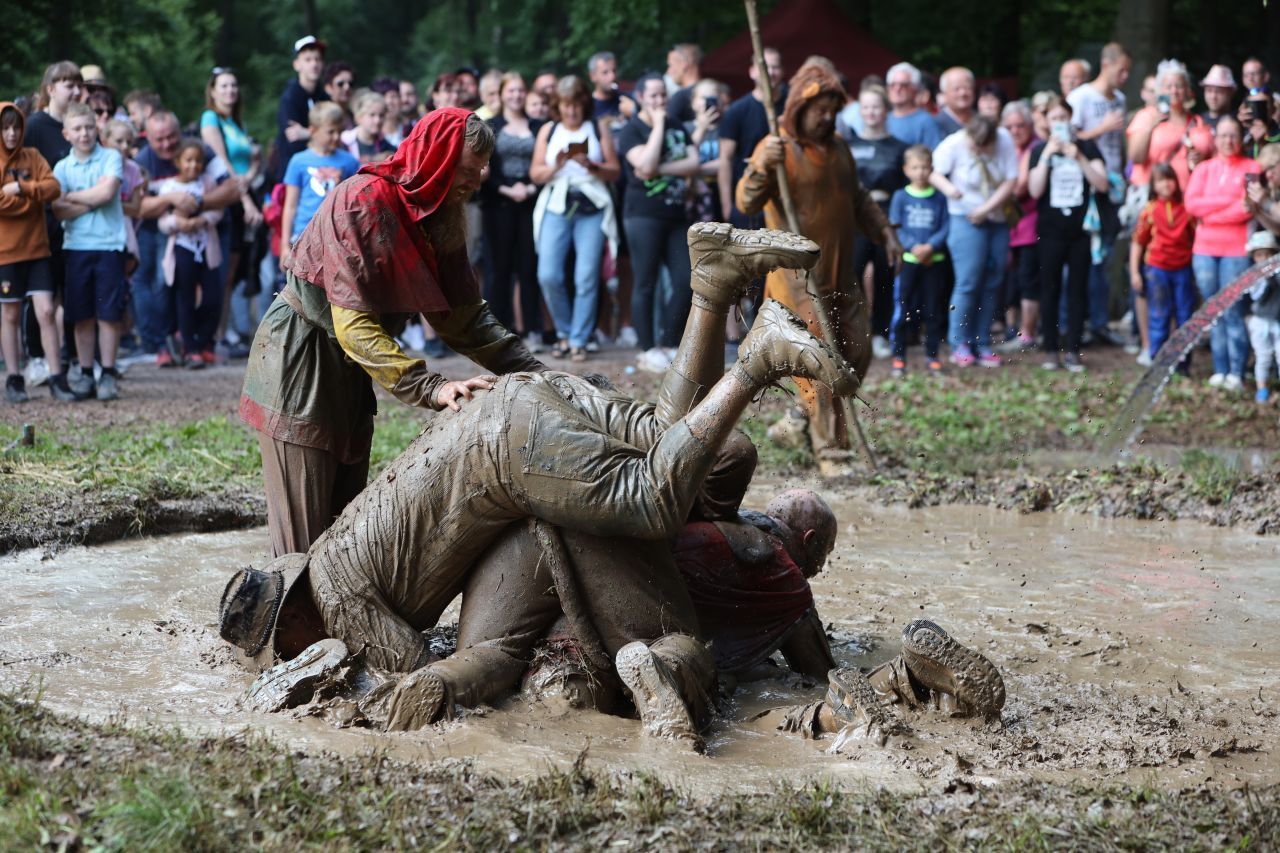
[1162, 104]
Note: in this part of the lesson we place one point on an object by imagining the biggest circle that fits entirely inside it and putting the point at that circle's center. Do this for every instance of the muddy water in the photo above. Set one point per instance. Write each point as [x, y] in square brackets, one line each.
[1131, 651]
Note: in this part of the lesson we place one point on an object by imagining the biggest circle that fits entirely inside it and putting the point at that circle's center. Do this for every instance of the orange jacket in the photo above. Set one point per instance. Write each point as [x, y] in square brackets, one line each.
[23, 236]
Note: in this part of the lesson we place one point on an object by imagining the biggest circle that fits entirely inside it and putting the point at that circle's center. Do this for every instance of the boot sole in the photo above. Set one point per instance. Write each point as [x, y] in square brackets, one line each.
[853, 700]
[291, 683]
[813, 358]
[656, 697]
[420, 699]
[940, 663]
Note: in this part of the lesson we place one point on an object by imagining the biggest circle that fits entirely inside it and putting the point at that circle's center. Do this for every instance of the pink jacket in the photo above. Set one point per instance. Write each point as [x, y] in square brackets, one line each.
[1215, 196]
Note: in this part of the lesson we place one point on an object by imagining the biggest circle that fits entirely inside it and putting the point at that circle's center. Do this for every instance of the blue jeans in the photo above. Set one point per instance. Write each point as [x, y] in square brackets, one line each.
[1228, 339]
[152, 298]
[574, 321]
[1100, 290]
[978, 255]
[1170, 295]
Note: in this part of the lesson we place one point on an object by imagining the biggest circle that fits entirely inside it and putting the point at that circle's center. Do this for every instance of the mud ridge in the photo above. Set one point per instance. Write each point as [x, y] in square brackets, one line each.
[97, 519]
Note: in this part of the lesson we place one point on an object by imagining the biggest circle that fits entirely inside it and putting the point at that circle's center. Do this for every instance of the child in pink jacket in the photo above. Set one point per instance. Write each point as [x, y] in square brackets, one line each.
[1215, 197]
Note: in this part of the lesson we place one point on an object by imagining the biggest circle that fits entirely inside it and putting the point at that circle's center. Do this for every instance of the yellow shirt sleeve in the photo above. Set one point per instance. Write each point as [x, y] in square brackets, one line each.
[367, 343]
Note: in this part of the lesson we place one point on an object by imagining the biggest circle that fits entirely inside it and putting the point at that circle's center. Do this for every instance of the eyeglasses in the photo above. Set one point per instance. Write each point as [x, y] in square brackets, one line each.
[222, 69]
[102, 111]
[343, 84]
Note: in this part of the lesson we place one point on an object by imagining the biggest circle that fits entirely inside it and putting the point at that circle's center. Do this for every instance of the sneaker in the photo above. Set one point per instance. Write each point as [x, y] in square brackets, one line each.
[1017, 345]
[1144, 359]
[36, 372]
[81, 383]
[592, 346]
[1233, 383]
[653, 361]
[962, 356]
[1051, 362]
[194, 361]
[210, 357]
[1262, 395]
[108, 387]
[1071, 361]
[164, 358]
[989, 359]
[60, 390]
[880, 347]
[1107, 338]
[627, 338]
[899, 368]
[1216, 380]
[533, 342]
[935, 366]
[15, 389]
[1132, 348]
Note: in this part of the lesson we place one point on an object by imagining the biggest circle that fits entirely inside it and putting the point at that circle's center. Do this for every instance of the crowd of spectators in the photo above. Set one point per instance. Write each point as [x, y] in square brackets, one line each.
[128, 233]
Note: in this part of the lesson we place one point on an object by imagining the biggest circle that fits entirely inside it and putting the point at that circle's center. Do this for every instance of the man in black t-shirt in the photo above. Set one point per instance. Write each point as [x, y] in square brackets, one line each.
[296, 101]
[743, 126]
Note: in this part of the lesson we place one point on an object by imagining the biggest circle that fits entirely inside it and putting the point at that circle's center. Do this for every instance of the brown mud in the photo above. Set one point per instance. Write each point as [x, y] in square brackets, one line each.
[1133, 652]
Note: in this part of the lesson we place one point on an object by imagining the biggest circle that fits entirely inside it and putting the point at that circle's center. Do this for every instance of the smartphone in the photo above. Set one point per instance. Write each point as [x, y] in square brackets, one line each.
[711, 103]
[1061, 131]
[1250, 178]
[576, 148]
[1162, 104]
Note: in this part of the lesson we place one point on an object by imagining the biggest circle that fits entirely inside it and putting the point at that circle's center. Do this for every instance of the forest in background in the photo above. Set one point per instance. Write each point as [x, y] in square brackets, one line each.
[170, 45]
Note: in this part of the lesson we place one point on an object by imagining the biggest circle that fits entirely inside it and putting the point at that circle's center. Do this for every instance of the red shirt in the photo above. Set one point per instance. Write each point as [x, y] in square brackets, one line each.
[1168, 232]
[745, 610]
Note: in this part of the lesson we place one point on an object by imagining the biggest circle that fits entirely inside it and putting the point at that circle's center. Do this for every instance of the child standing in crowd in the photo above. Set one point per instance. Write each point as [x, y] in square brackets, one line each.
[920, 290]
[313, 172]
[26, 186]
[93, 221]
[192, 258]
[1264, 321]
[365, 141]
[120, 136]
[1165, 233]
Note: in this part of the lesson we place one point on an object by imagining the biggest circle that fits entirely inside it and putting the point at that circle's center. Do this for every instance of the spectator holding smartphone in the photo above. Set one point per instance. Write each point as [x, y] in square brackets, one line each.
[1257, 117]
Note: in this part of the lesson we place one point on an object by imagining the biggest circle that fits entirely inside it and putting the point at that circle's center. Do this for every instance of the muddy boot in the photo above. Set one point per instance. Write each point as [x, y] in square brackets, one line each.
[894, 685]
[809, 721]
[724, 260]
[835, 463]
[419, 699]
[941, 664]
[294, 682]
[854, 703]
[656, 694]
[780, 344]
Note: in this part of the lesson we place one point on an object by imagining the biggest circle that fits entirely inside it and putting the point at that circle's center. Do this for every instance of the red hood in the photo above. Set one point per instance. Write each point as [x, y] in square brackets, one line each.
[422, 167]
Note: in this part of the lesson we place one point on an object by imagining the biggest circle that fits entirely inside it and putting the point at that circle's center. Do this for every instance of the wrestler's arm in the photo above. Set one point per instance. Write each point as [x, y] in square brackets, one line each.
[473, 331]
[365, 341]
[806, 649]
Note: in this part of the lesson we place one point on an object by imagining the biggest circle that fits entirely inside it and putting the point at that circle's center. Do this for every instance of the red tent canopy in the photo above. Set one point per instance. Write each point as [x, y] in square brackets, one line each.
[799, 29]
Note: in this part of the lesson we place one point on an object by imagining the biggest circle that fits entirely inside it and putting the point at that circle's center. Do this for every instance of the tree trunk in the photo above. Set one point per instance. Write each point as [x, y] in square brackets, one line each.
[1142, 26]
[310, 18]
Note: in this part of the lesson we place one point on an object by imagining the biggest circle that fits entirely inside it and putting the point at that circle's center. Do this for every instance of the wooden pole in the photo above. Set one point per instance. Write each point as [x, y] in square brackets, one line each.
[793, 223]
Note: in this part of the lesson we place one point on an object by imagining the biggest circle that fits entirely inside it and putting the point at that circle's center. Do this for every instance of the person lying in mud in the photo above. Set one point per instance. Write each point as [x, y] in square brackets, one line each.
[549, 446]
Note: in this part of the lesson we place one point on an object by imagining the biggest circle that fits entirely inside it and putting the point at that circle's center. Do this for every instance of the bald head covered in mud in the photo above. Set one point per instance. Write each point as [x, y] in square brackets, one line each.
[810, 519]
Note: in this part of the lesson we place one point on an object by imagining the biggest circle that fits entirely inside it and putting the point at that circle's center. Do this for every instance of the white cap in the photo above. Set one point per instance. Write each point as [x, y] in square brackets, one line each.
[1262, 239]
[306, 42]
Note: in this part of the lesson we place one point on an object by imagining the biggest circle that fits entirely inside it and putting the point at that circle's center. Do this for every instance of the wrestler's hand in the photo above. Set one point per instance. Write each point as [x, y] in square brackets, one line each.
[450, 392]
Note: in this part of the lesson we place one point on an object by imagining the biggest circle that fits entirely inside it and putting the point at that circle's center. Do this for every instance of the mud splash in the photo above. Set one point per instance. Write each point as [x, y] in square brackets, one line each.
[1131, 651]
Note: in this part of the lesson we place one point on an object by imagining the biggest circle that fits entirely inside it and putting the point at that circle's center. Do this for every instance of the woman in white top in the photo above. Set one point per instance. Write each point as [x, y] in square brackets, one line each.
[976, 169]
[576, 162]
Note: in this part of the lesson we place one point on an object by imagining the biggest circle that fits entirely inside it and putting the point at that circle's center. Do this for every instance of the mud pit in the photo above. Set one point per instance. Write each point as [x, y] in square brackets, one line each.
[1132, 652]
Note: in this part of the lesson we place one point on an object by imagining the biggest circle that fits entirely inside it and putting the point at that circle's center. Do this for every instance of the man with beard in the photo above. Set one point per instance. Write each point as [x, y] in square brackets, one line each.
[384, 245]
[833, 208]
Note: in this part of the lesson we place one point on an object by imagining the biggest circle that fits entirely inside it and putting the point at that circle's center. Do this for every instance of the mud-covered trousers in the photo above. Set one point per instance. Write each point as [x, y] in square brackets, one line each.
[550, 446]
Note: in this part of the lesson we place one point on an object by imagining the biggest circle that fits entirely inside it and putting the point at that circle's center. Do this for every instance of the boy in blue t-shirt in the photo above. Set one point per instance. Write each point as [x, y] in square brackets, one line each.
[93, 248]
[313, 173]
[920, 291]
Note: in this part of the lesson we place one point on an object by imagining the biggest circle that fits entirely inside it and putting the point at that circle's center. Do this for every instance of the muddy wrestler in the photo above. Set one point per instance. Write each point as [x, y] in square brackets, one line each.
[549, 446]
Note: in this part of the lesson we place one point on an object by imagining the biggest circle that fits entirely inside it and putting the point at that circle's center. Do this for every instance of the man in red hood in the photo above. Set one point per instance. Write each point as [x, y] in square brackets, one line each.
[384, 245]
[833, 208]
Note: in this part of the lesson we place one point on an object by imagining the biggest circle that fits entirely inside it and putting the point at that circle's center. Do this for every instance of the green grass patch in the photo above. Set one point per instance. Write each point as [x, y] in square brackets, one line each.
[67, 784]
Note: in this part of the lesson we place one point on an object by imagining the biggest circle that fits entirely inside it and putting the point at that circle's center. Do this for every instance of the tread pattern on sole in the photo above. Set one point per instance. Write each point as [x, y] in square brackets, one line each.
[662, 711]
[941, 663]
[292, 682]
